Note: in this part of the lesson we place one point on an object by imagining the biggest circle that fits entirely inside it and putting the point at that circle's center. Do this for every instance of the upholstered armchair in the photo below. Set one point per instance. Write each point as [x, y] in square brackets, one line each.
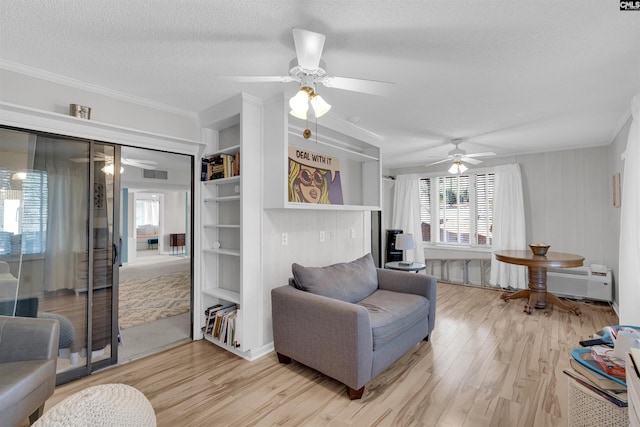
[350, 321]
[28, 355]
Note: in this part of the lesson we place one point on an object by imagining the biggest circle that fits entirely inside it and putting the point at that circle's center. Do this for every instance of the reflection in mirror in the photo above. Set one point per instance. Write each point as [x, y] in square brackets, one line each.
[56, 241]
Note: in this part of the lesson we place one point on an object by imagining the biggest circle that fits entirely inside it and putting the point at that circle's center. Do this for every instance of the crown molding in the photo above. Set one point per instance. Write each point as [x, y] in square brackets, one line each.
[621, 123]
[100, 90]
[61, 124]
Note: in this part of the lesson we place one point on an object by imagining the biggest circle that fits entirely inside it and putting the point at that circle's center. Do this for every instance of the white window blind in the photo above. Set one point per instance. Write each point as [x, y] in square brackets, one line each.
[484, 209]
[425, 209]
[457, 209]
[23, 211]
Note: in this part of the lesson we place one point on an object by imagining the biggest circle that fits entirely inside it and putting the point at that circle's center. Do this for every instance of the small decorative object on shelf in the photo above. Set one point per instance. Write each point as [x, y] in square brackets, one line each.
[539, 248]
[80, 111]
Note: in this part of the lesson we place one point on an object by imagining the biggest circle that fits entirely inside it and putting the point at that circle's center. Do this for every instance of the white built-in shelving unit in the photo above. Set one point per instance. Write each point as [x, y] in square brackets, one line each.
[230, 253]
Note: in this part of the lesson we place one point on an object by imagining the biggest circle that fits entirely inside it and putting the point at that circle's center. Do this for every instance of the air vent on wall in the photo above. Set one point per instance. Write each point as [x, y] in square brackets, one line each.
[154, 174]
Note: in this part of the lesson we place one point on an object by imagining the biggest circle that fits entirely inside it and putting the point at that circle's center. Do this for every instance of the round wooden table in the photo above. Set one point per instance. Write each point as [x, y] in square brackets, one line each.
[537, 266]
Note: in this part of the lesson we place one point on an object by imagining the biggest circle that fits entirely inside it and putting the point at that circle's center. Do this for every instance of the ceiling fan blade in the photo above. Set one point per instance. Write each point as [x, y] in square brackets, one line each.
[140, 165]
[255, 79]
[129, 159]
[372, 87]
[86, 159]
[470, 160]
[438, 162]
[487, 154]
[309, 47]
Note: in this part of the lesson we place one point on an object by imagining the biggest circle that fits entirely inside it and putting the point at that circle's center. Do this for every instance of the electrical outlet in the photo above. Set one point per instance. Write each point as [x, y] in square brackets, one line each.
[285, 239]
[322, 236]
[353, 233]
[332, 235]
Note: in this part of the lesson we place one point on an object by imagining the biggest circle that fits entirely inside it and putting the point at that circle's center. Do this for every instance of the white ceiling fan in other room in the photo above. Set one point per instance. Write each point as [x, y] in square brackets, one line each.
[458, 157]
[307, 69]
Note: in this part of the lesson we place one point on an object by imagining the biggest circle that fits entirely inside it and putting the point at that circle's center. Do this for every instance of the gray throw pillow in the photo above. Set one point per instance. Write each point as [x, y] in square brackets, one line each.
[347, 281]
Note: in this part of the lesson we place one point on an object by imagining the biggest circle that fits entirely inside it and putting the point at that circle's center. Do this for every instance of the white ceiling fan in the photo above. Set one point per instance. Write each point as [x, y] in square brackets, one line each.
[308, 70]
[101, 157]
[458, 157]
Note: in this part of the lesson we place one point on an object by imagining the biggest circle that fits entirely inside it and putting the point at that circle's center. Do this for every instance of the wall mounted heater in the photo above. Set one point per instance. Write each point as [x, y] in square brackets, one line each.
[581, 282]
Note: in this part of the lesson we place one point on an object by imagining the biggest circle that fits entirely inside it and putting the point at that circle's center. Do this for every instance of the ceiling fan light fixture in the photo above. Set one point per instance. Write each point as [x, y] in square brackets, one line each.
[299, 103]
[320, 106]
[302, 115]
[108, 169]
[457, 167]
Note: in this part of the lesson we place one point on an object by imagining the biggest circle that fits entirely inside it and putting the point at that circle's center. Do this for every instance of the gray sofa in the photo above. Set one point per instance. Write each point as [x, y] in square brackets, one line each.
[350, 321]
[28, 355]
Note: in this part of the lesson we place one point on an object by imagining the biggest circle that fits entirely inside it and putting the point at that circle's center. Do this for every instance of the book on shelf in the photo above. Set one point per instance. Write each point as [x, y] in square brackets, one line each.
[210, 314]
[597, 379]
[220, 166]
[224, 327]
[618, 398]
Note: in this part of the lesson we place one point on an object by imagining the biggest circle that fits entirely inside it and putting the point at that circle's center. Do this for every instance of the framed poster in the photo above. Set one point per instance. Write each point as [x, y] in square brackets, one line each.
[313, 178]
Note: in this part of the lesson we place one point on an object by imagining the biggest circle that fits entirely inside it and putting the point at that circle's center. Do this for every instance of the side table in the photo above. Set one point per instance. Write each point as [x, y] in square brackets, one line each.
[399, 265]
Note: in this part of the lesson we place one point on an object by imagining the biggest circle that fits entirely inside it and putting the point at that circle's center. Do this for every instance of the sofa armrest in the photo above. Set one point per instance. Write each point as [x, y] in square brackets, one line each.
[411, 283]
[331, 336]
[23, 338]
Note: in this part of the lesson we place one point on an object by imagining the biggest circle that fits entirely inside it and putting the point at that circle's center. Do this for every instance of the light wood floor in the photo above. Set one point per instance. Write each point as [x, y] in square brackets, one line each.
[487, 364]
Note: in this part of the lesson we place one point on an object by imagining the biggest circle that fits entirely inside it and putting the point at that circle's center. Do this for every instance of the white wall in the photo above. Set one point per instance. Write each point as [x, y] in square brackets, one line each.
[55, 97]
[304, 247]
[174, 215]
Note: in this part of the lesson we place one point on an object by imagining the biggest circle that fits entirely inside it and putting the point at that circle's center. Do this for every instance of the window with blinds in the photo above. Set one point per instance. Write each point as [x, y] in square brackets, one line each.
[457, 209]
[23, 212]
[425, 208]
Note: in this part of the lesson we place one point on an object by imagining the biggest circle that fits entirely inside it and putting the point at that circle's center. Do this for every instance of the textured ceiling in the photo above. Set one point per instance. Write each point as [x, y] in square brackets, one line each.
[510, 76]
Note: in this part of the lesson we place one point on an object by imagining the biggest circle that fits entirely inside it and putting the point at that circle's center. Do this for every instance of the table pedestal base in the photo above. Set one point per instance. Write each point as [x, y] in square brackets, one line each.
[537, 293]
[540, 300]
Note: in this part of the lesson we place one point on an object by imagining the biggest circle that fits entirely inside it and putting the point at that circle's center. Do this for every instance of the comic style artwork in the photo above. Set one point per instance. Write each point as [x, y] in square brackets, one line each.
[313, 178]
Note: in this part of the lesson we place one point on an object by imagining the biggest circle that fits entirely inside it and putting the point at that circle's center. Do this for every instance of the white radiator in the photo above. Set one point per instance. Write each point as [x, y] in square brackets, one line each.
[580, 282]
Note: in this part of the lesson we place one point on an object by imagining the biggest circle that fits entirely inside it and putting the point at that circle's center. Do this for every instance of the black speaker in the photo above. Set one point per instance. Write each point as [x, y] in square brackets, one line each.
[393, 254]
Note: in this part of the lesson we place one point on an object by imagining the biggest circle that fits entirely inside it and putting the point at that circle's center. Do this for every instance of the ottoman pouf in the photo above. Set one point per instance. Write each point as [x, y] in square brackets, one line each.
[117, 405]
[67, 331]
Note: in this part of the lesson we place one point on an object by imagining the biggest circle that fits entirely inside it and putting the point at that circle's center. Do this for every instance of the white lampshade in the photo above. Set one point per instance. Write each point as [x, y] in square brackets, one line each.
[320, 106]
[457, 167]
[405, 241]
[299, 104]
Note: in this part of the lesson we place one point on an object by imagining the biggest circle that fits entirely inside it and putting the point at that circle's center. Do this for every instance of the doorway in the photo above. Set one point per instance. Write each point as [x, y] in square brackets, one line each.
[155, 276]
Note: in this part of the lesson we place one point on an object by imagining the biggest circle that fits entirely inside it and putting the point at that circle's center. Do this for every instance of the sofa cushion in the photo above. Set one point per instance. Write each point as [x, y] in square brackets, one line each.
[21, 380]
[348, 281]
[392, 313]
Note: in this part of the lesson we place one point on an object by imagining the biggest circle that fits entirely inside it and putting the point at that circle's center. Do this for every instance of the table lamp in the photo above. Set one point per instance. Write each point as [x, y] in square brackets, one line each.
[405, 242]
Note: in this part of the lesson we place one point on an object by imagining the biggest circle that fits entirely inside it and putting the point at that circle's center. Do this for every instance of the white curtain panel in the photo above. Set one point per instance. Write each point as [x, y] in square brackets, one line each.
[406, 213]
[508, 226]
[67, 213]
[629, 267]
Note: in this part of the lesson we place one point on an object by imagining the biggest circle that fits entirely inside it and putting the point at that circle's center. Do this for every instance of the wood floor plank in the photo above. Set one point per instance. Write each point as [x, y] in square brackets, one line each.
[487, 364]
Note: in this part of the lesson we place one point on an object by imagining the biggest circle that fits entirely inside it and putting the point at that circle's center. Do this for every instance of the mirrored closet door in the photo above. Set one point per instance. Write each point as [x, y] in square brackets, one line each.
[58, 241]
